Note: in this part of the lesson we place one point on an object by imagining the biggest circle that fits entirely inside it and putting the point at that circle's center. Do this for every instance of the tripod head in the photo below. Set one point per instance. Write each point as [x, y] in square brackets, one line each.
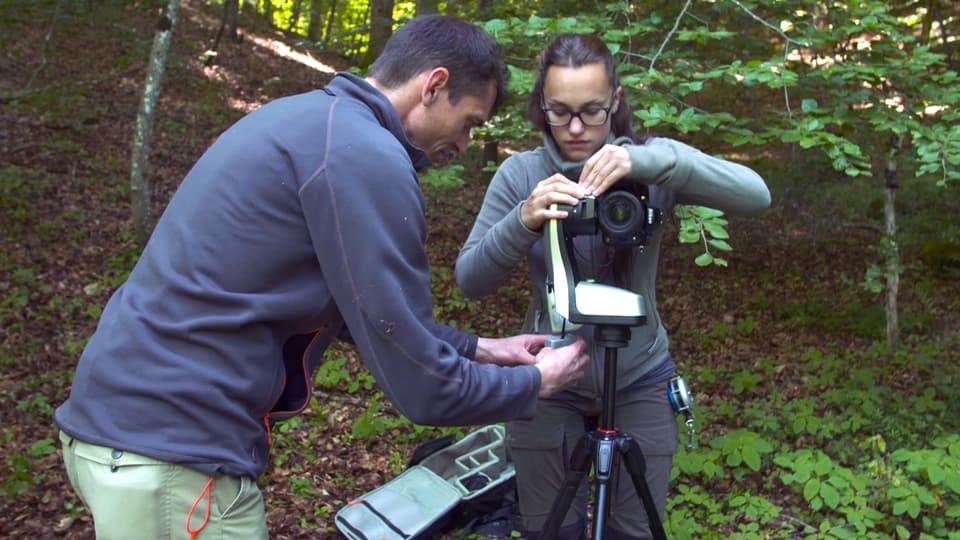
[574, 302]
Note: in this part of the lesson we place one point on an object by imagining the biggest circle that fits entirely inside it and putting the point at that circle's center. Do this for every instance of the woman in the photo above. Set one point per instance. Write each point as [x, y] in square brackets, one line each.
[588, 147]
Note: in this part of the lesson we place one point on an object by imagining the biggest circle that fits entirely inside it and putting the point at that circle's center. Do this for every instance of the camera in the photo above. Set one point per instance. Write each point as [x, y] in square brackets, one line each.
[621, 215]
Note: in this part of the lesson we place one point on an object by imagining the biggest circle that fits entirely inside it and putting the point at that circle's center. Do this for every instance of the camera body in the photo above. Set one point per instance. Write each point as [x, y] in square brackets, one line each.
[621, 215]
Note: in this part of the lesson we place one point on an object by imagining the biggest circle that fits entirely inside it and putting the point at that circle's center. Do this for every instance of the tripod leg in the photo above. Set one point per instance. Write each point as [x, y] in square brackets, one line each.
[604, 467]
[579, 465]
[637, 467]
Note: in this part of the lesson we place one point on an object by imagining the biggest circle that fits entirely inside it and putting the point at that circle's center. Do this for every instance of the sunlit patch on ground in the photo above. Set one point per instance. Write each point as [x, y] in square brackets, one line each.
[284, 51]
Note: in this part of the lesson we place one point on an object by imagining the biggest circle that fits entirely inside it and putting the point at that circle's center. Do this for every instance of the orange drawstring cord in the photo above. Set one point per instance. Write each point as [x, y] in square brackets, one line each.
[266, 424]
[208, 490]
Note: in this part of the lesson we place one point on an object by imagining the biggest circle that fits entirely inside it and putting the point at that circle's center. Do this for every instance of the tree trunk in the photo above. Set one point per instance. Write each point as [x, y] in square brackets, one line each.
[484, 10]
[295, 15]
[210, 54]
[329, 30]
[491, 153]
[892, 251]
[381, 28]
[316, 19]
[268, 13]
[232, 7]
[139, 184]
[427, 7]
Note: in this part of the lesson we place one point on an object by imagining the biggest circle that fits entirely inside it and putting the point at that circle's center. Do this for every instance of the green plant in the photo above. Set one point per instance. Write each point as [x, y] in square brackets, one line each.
[450, 176]
[373, 422]
[331, 373]
[38, 405]
[21, 474]
[707, 226]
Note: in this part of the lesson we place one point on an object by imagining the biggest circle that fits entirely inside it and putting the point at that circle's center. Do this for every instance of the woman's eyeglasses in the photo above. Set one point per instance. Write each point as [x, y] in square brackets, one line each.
[591, 116]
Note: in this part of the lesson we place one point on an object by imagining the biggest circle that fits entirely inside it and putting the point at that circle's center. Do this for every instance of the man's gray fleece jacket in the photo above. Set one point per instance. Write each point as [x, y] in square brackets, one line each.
[674, 173]
[302, 220]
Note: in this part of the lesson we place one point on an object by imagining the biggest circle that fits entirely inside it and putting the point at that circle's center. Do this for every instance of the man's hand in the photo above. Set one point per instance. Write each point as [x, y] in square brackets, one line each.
[559, 368]
[510, 351]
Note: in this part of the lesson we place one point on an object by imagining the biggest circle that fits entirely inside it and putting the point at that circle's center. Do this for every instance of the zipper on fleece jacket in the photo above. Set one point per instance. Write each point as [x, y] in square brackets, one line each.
[308, 388]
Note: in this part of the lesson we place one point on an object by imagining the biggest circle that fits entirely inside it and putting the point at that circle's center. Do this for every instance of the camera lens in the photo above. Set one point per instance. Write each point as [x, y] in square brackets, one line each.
[620, 212]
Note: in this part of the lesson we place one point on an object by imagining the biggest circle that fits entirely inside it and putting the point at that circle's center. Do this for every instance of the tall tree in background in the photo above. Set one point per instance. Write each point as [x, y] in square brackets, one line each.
[316, 20]
[330, 16]
[484, 10]
[230, 9]
[139, 185]
[227, 22]
[427, 7]
[294, 15]
[381, 28]
[268, 11]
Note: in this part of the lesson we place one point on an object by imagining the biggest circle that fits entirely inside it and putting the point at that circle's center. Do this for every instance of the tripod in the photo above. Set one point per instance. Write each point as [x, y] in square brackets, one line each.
[602, 447]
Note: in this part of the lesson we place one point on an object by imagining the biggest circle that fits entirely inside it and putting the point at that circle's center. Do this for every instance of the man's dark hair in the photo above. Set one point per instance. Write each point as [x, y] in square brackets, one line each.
[578, 50]
[468, 52]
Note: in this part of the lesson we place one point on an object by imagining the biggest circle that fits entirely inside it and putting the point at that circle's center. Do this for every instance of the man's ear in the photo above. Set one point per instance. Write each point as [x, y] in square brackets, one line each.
[617, 96]
[436, 80]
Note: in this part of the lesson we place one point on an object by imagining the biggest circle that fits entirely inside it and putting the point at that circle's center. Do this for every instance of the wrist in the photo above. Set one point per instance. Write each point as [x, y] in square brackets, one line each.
[483, 353]
[524, 222]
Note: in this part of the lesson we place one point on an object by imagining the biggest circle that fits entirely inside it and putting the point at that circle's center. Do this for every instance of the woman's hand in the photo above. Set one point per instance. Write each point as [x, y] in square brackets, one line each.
[556, 189]
[605, 168]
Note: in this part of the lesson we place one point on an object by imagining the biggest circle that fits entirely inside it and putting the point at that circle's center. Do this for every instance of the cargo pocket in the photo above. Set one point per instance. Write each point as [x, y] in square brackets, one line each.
[540, 451]
[234, 494]
[535, 435]
[239, 506]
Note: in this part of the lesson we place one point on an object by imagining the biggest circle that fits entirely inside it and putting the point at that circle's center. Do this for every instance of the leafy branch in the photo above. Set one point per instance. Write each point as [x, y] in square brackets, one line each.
[707, 225]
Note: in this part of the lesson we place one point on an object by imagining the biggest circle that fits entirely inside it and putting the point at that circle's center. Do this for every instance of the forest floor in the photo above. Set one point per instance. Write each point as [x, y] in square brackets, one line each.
[791, 285]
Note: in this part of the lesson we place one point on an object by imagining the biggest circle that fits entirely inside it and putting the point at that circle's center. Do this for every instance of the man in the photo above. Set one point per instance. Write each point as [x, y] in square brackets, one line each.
[303, 221]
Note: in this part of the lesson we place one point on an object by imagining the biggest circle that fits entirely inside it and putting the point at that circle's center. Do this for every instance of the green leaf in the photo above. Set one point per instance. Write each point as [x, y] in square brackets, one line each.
[706, 212]
[720, 244]
[953, 482]
[808, 105]
[913, 507]
[936, 474]
[689, 237]
[704, 259]
[811, 489]
[751, 457]
[831, 497]
[716, 230]
[823, 465]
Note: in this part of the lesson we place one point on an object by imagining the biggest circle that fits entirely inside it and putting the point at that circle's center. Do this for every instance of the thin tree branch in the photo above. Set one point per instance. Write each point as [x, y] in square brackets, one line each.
[786, 48]
[43, 50]
[768, 25]
[666, 40]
